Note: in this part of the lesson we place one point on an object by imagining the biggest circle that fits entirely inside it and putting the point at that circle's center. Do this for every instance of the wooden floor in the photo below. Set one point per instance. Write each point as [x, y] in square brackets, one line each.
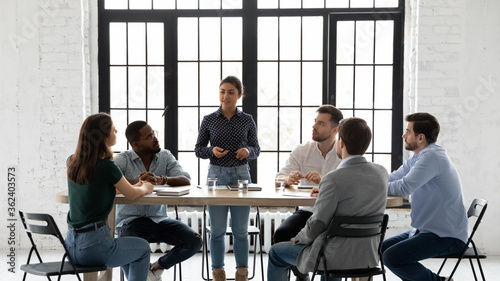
[192, 269]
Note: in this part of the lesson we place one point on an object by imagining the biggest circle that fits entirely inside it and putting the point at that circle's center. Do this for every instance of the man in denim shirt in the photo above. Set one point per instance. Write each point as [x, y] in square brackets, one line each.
[438, 213]
[146, 161]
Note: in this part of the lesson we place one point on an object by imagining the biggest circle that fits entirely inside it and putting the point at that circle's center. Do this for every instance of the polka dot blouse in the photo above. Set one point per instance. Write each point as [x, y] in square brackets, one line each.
[233, 134]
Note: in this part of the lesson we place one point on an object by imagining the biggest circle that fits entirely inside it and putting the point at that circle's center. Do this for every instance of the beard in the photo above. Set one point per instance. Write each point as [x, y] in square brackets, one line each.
[320, 138]
[410, 146]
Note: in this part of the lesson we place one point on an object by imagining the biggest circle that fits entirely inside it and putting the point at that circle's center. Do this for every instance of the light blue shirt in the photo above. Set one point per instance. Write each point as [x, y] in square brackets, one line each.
[163, 164]
[437, 204]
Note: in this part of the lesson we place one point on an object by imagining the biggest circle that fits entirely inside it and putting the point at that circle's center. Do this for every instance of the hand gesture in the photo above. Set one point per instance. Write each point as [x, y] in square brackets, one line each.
[147, 187]
[313, 177]
[293, 178]
[219, 152]
[148, 177]
[242, 153]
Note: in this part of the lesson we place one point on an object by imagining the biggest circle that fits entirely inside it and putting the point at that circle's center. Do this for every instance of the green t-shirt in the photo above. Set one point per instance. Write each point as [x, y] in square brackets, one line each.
[92, 202]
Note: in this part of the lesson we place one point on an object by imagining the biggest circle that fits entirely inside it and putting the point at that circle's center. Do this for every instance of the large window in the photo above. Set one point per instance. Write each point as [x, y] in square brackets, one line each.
[162, 61]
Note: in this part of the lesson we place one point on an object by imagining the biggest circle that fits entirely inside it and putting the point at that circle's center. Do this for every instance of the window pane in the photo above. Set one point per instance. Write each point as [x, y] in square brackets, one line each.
[267, 74]
[308, 116]
[155, 43]
[188, 83]
[282, 158]
[368, 116]
[267, 120]
[361, 3]
[137, 87]
[137, 43]
[117, 43]
[188, 121]
[383, 86]
[312, 83]
[232, 4]
[384, 160]
[312, 38]
[382, 131]
[187, 38]
[344, 87]
[157, 123]
[118, 86]
[156, 87]
[290, 38]
[364, 42]
[387, 3]
[384, 41]
[115, 4]
[164, 4]
[120, 121]
[139, 4]
[337, 3]
[209, 83]
[290, 4]
[267, 38]
[289, 83]
[209, 4]
[189, 163]
[345, 42]
[267, 168]
[232, 39]
[267, 4]
[232, 68]
[364, 87]
[209, 38]
[187, 4]
[134, 115]
[313, 3]
[289, 131]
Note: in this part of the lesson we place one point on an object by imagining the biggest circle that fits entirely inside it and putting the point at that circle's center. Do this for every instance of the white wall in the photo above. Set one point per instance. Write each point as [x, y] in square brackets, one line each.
[48, 86]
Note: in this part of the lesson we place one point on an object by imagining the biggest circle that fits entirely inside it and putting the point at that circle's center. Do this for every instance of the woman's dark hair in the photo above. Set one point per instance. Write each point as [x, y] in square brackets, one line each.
[355, 134]
[91, 147]
[424, 123]
[233, 80]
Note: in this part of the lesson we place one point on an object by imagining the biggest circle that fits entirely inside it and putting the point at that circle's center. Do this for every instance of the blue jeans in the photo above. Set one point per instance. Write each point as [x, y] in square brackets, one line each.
[185, 240]
[282, 256]
[239, 219]
[98, 247]
[402, 254]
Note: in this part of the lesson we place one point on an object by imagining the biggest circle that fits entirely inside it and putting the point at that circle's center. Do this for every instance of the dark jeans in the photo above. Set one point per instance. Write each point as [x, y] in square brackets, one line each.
[402, 254]
[291, 226]
[185, 240]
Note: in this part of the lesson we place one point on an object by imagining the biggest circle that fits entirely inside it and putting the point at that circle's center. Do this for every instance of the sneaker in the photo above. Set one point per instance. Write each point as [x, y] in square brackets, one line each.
[155, 276]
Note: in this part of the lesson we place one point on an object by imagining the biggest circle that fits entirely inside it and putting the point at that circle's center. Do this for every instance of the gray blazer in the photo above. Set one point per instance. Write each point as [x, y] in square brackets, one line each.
[358, 188]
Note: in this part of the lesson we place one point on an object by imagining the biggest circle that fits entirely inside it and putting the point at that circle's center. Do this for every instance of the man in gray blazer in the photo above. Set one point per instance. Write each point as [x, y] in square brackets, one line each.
[356, 188]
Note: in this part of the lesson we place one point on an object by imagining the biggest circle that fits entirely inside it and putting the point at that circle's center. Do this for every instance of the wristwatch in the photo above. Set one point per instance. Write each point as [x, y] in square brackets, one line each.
[165, 179]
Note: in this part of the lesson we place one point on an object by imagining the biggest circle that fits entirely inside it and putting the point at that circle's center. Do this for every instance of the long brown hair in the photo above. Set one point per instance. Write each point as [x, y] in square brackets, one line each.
[91, 147]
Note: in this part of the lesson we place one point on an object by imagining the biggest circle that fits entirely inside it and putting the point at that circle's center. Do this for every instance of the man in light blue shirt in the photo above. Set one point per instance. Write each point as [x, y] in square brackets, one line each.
[146, 161]
[438, 214]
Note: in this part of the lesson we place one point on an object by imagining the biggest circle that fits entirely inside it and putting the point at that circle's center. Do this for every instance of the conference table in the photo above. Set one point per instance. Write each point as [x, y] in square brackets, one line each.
[201, 196]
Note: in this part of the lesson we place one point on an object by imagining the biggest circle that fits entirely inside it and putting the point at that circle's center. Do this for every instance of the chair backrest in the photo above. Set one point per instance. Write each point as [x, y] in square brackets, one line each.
[48, 225]
[477, 209]
[357, 226]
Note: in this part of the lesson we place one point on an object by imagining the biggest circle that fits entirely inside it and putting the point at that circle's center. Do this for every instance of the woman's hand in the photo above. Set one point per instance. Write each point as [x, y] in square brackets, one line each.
[242, 153]
[147, 187]
[219, 152]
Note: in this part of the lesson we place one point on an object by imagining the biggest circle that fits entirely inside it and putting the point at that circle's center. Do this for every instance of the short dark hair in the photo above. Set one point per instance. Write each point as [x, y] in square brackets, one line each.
[335, 114]
[132, 132]
[424, 123]
[355, 134]
[233, 80]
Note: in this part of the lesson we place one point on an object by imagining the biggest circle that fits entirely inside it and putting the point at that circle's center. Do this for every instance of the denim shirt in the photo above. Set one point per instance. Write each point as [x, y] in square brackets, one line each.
[163, 164]
[437, 204]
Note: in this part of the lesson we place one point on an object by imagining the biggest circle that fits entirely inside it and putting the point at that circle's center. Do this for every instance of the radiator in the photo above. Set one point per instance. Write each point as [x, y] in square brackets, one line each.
[269, 222]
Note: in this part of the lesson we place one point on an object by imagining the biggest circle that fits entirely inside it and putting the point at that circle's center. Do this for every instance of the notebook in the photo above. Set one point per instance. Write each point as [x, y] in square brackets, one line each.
[172, 191]
[306, 186]
[251, 187]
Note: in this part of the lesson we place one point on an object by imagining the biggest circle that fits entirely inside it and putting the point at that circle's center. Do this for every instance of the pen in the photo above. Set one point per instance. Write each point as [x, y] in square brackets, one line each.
[198, 186]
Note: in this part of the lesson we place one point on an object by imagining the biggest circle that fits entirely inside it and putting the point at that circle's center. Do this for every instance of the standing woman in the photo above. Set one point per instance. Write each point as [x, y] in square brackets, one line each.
[233, 140]
[93, 179]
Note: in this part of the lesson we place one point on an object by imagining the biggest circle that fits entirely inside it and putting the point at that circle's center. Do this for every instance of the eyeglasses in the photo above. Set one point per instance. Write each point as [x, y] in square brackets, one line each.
[151, 136]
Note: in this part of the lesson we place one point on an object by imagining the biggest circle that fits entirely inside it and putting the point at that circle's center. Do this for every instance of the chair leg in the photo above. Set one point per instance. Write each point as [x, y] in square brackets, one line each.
[442, 265]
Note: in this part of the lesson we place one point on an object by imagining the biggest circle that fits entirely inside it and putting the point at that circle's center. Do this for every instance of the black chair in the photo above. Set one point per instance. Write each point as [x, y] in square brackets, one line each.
[122, 277]
[48, 269]
[477, 209]
[253, 231]
[343, 227]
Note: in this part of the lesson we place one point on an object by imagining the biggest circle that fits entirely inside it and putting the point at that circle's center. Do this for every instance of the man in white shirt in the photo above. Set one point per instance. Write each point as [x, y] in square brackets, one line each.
[307, 164]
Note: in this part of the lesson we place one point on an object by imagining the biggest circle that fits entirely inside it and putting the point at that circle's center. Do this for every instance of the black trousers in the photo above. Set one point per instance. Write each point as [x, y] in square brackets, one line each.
[290, 227]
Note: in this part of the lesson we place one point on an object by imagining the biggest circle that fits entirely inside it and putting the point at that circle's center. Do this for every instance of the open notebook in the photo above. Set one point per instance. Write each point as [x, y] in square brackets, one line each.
[164, 190]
